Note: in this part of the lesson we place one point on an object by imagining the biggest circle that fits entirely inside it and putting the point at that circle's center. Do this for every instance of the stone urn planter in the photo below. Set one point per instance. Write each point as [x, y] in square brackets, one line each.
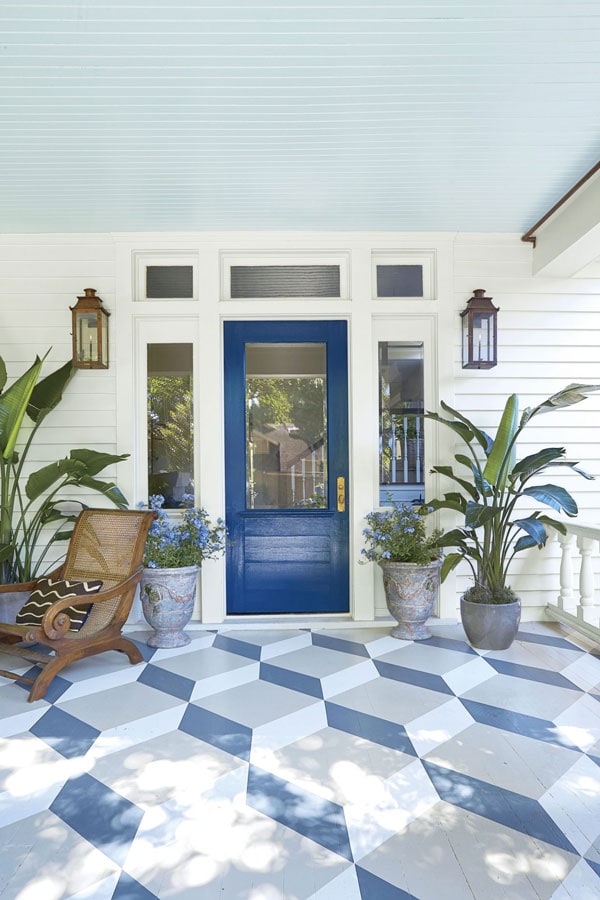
[490, 626]
[168, 602]
[411, 593]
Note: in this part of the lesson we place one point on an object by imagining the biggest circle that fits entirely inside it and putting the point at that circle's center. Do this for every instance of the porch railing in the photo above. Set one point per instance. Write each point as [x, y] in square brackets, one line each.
[578, 603]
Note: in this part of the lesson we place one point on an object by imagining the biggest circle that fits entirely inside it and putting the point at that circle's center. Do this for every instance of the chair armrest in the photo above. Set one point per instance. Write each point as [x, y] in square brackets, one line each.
[29, 585]
[17, 588]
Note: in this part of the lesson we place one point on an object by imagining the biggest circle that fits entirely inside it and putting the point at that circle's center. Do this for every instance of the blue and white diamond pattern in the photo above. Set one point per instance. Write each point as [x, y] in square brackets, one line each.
[291, 764]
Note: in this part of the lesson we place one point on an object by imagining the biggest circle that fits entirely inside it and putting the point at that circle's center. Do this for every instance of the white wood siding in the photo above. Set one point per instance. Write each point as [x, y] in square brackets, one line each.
[40, 277]
[548, 337]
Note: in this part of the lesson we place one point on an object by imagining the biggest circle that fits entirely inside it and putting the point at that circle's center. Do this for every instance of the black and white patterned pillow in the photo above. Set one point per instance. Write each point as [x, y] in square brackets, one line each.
[47, 591]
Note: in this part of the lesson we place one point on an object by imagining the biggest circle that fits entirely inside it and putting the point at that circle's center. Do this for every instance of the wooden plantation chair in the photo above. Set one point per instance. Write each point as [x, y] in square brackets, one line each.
[106, 545]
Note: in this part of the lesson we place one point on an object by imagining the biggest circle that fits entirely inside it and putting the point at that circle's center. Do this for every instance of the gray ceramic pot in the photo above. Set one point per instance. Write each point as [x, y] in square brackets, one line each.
[411, 593]
[168, 603]
[490, 626]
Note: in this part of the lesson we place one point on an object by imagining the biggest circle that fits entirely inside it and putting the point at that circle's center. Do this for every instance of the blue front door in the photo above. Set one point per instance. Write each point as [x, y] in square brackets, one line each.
[286, 467]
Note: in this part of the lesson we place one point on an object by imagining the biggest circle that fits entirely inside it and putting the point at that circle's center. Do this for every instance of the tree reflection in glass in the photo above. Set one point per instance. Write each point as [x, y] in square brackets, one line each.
[286, 426]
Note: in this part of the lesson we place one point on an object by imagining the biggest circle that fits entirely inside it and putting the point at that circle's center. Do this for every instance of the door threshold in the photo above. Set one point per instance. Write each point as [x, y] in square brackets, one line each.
[291, 622]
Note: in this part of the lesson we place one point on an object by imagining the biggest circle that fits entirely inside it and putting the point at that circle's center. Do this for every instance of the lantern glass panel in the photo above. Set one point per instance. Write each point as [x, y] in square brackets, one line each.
[481, 338]
[87, 337]
[104, 340]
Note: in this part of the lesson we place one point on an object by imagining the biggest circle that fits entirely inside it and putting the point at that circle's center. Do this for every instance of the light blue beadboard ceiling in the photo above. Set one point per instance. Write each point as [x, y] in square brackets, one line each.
[417, 115]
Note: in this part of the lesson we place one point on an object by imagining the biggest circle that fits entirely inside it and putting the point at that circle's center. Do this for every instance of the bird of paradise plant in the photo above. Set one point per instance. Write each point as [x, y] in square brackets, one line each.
[493, 533]
[30, 513]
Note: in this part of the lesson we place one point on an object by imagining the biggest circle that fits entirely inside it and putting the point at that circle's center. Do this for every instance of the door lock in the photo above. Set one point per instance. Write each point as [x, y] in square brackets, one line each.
[341, 494]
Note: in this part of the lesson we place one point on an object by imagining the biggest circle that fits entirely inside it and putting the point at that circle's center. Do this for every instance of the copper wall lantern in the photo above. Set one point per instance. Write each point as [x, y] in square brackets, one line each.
[479, 333]
[90, 332]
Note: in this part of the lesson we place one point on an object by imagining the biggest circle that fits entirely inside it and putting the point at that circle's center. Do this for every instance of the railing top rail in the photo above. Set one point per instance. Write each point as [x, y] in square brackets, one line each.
[580, 529]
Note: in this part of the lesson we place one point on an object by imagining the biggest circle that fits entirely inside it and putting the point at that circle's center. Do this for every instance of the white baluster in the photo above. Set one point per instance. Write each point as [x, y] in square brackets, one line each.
[566, 599]
[586, 574]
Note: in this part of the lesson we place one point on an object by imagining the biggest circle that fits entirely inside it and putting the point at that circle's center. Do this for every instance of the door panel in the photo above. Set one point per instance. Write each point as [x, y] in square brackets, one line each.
[286, 444]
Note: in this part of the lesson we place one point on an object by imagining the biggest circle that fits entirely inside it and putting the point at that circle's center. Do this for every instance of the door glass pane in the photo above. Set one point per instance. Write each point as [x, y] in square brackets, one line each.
[170, 423]
[401, 461]
[286, 426]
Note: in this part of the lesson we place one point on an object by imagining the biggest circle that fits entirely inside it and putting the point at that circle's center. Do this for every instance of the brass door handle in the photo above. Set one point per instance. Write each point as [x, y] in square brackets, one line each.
[341, 494]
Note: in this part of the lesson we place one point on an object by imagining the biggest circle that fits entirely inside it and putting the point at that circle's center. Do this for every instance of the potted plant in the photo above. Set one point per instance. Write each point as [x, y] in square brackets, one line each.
[396, 539]
[492, 485]
[34, 514]
[176, 547]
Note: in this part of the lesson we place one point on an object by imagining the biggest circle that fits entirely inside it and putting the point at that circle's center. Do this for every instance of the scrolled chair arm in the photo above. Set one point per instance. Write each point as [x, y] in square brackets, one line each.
[55, 623]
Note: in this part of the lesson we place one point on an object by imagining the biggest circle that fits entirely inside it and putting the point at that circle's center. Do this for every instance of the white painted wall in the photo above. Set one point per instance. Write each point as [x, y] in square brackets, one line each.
[549, 335]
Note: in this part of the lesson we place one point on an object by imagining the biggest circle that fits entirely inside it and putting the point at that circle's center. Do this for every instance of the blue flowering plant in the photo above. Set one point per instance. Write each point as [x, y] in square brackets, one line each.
[185, 540]
[398, 534]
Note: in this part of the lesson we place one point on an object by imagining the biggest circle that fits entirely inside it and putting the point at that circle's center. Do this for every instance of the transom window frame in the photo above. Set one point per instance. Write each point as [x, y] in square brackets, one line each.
[144, 258]
[230, 258]
[424, 258]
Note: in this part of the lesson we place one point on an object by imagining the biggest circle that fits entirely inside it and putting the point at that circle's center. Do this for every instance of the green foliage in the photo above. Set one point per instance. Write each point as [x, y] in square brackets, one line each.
[32, 516]
[288, 401]
[398, 534]
[491, 535]
[170, 419]
[480, 594]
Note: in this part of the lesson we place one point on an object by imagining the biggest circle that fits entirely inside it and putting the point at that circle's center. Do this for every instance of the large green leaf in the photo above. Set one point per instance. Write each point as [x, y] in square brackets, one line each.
[42, 480]
[94, 462]
[48, 392]
[13, 404]
[568, 396]
[526, 542]
[108, 489]
[2, 373]
[483, 439]
[450, 562]
[477, 514]
[466, 485]
[554, 496]
[501, 458]
[527, 466]
[464, 460]
[452, 500]
[534, 528]
[463, 430]
[457, 537]
[78, 465]
[553, 523]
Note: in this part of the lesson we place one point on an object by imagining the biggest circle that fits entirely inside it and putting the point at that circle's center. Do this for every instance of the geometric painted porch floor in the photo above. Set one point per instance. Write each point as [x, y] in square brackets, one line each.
[296, 764]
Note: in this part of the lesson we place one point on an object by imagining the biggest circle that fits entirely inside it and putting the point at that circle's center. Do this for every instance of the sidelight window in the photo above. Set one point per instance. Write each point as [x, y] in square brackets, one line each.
[401, 403]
